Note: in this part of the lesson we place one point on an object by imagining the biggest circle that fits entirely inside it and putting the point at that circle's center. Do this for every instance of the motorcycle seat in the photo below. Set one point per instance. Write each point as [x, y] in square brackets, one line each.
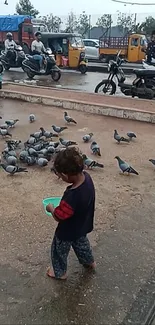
[144, 72]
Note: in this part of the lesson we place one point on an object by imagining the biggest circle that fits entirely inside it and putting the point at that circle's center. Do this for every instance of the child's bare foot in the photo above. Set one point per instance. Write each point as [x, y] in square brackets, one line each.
[51, 274]
[91, 266]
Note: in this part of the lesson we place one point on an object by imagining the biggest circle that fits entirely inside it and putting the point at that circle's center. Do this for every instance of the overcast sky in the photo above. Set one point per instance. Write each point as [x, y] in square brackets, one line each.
[61, 8]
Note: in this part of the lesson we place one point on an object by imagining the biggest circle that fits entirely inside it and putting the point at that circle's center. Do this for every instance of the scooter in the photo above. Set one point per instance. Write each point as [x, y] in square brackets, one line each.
[32, 67]
[13, 59]
[143, 85]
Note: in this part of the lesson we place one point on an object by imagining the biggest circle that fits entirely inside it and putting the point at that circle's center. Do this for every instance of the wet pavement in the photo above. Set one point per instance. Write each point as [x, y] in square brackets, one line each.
[69, 80]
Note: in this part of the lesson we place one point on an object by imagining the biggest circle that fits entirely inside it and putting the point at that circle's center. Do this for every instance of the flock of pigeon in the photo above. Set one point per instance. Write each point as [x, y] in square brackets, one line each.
[40, 147]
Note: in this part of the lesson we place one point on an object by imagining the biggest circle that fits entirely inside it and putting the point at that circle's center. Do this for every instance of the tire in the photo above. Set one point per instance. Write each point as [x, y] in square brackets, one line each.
[83, 68]
[1, 68]
[26, 49]
[102, 58]
[7, 67]
[30, 74]
[104, 83]
[56, 75]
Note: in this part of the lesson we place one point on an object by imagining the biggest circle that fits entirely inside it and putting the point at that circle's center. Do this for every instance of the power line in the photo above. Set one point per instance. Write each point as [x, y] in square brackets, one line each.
[134, 3]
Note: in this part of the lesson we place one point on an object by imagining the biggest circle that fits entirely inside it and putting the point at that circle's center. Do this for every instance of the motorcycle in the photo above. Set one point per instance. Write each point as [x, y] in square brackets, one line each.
[32, 67]
[13, 58]
[143, 85]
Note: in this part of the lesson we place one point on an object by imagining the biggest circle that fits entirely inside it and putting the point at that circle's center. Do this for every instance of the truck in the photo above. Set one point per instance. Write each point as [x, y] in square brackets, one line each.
[132, 48]
[23, 29]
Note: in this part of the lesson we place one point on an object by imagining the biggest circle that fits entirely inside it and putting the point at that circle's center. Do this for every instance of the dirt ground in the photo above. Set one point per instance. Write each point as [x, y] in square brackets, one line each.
[26, 231]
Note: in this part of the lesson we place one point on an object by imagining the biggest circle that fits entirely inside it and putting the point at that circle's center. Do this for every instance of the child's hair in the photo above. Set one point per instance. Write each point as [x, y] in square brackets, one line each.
[69, 162]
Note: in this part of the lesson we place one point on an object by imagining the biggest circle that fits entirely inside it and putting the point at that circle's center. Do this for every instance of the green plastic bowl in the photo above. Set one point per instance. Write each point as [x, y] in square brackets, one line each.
[51, 200]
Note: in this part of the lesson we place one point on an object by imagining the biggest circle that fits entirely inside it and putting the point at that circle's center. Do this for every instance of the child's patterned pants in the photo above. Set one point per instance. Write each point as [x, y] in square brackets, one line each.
[60, 250]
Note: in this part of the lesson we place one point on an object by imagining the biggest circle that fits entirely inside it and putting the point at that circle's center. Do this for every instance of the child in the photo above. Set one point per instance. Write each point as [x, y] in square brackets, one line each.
[75, 214]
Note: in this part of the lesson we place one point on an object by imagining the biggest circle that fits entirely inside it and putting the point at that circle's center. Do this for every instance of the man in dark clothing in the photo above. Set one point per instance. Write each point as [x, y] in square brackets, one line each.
[75, 214]
[151, 49]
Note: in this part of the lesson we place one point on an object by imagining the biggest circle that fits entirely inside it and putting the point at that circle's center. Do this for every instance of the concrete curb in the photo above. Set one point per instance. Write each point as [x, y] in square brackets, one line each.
[93, 108]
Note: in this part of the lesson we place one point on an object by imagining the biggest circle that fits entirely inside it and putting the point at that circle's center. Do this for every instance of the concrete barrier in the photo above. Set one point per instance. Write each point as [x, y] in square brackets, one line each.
[79, 105]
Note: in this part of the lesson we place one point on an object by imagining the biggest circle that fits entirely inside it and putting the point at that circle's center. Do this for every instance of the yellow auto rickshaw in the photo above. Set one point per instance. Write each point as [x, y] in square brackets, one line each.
[68, 49]
[131, 48]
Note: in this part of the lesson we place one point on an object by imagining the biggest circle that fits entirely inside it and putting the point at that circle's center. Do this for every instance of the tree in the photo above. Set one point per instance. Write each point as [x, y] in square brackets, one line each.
[126, 23]
[147, 26]
[105, 21]
[71, 25]
[83, 24]
[52, 22]
[25, 7]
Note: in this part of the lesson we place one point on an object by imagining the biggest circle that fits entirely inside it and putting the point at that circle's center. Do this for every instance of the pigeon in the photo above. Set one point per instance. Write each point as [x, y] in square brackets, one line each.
[38, 146]
[58, 149]
[31, 140]
[51, 149]
[5, 132]
[54, 144]
[59, 129]
[125, 167]
[13, 144]
[32, 152]
[118, 138]
[0, 117]
[69, 119]
[30, 160]
[23, 155]
[11, 123]
[3, 126]
[42, 162]
[95, 148]
[67, 143]
[47, 134]
[37, 135]
[152, 161]
[11, 160]
[90, 163]
[131, 135]
[8, 152]
[43, 152]
[13, 169]
[32, 118]
[87, 137]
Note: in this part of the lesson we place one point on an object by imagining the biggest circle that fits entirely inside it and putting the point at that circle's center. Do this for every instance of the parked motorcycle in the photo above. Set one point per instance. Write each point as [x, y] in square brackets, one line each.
[13, 58]
[32, 66]
[143, 85]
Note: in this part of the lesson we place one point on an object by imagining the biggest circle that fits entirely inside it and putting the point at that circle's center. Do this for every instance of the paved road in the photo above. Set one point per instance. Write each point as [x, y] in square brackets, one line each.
[69, 80]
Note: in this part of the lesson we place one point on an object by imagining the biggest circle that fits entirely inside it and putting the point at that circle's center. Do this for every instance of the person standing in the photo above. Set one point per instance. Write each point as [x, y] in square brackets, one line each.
[75, 214]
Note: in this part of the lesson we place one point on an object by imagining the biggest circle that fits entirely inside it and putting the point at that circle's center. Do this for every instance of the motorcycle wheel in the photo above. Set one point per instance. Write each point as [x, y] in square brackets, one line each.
[30, 74]
[56, 75]
[6, 67]
[1, 68]
[83, 68]
[106, 86]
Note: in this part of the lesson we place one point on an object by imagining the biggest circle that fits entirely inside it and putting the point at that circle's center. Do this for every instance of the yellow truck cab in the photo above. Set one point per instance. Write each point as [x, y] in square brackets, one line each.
[131, 48]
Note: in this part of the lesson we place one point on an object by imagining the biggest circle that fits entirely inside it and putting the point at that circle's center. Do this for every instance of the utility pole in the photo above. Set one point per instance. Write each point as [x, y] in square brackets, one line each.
[89, 26]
